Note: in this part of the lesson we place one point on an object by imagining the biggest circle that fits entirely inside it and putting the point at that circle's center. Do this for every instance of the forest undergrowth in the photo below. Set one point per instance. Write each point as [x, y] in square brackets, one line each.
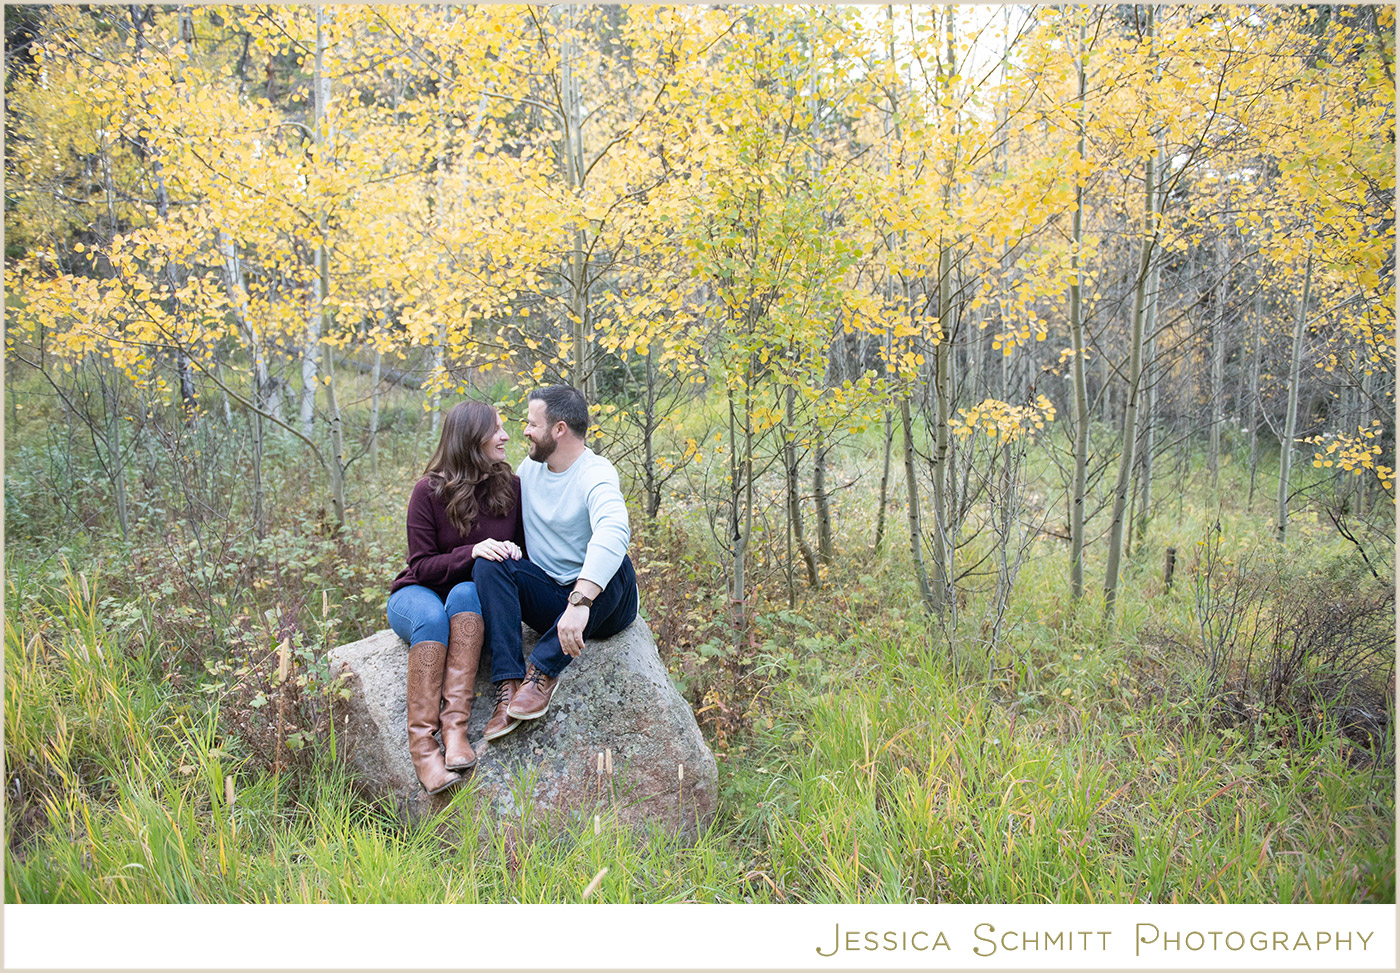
[1229, 739]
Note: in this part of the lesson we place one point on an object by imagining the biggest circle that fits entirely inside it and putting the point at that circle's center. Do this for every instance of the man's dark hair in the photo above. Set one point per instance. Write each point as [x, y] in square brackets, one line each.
[566, 403]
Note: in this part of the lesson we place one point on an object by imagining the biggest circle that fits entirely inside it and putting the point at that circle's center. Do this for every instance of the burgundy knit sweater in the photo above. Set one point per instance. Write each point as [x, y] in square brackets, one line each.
[439, 555]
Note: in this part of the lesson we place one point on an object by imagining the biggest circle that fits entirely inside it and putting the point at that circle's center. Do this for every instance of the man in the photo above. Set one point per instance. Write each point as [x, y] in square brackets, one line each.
[578, 583]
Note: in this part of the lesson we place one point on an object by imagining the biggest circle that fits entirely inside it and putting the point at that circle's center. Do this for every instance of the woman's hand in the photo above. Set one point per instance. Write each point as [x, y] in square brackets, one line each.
[494, 550]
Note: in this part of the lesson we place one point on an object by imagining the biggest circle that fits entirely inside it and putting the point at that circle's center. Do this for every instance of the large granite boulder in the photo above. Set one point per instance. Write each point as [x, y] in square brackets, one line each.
[615, 697]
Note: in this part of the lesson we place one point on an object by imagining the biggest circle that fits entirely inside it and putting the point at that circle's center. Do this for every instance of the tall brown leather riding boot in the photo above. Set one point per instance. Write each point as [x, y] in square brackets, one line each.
[425, 665]
[459, 686]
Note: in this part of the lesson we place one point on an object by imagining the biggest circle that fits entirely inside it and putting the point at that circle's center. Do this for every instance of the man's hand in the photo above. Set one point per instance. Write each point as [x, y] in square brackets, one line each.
[570, 628]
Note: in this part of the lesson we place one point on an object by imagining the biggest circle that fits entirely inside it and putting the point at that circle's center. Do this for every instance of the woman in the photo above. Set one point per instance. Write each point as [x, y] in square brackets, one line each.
[465, 506]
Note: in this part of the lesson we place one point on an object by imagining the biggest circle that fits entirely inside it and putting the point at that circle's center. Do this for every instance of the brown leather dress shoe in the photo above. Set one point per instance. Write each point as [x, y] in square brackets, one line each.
[500, 723]
[532, 700]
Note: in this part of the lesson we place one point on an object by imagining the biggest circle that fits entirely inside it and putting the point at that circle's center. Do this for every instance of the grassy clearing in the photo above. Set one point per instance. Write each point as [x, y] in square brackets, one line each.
[866, 775]
[171, 818]
[862, 758]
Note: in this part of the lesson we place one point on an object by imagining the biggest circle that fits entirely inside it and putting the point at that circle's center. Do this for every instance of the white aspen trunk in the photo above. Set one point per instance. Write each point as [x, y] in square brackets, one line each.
[259, 490]
[977, 382]
[187, 392]
[1105, 381]
[884, 480]
[916, 542]
[748, 486]
[821, 497]
[1132, 501]
[577, 270]
[740, 507]
[938, 462]
[1363, 493]
[794, 498]
[1002, 518]
[233, 283]
[1150, 378]
[942, 366]
[1076, 327]
[323, 140]
[649, 423]
[1001, 165]
[228, 406]
[737, 542]
[175, 276]
[1235, 413]
[1290, 425]
[1149, 429]
[438, 367]
[888, 339]
[1130, 405]
[109, 394]
[311, 350]
[1357, 412]
[374, 399]
[441, 338]
[310, 360]
[337, 444]
[1254, 327]
[1217, 364]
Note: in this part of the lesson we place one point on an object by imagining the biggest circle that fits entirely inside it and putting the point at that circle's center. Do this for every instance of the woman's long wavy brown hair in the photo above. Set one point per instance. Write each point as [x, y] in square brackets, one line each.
[459, 464]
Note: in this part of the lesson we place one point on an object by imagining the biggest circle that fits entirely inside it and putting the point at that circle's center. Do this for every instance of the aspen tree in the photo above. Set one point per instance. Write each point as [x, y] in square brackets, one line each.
[1253, 348]
[887, 122]
[1127, 455]
[173, 272]
[940, 466]
[1290, 425]
[826, 547]
[1217, 359]
[116, 464]
[916, 547]
[1148, 380]
[324, 139]
[571, 153]
[794, 506]
[1076, 329]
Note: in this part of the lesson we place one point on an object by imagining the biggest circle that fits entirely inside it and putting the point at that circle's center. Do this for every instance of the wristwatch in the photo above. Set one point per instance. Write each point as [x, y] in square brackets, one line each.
[579, 598]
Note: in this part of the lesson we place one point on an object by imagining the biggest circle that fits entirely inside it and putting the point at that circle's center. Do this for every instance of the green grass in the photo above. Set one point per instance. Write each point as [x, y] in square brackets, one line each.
[872, 755]
[917, 790]
[125, 800]
[893, 785]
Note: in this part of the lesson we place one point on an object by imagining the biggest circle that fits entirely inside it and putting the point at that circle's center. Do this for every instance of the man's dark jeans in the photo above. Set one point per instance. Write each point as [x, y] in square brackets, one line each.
[514, 590]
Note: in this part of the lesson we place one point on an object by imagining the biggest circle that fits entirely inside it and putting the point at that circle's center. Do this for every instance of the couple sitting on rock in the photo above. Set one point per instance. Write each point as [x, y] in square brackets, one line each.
[488, 548]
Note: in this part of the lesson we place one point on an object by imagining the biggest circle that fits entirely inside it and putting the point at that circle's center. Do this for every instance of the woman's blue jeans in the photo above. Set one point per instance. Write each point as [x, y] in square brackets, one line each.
[417, 614]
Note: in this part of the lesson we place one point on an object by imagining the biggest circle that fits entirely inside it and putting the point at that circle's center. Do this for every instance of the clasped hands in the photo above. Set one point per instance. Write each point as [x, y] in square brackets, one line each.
[575, 618]
[494, 550]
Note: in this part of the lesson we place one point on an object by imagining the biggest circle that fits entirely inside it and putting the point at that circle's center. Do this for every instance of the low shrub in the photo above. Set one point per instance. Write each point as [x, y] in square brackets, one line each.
[1273, 636]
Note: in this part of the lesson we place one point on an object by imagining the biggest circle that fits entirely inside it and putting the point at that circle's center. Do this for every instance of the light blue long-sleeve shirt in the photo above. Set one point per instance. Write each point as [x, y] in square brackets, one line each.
[575, 521]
